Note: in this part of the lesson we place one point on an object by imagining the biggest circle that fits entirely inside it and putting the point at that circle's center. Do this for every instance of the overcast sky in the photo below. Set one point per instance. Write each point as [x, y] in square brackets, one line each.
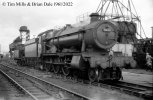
[41, 18]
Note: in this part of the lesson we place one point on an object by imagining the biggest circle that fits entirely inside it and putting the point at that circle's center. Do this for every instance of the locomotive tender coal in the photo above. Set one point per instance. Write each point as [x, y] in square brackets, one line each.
[88, 51]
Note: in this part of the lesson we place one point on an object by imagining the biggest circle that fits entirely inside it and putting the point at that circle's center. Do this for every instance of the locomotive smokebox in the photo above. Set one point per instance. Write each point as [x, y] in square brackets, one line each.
[94, 17]
[102, 34]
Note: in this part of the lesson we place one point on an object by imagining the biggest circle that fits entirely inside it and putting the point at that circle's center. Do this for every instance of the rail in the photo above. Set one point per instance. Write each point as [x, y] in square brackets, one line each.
[18, 85]
[82, 97]
[128, 88]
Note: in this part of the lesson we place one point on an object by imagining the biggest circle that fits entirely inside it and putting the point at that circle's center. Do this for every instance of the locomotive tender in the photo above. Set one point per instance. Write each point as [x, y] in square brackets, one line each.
[85, 51]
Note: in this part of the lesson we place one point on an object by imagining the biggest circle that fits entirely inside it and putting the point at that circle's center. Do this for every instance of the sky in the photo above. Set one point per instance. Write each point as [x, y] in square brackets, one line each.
[41, 18]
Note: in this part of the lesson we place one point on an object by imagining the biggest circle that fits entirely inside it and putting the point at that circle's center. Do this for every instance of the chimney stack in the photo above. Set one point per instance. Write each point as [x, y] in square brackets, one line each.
[68, 26]
[94, 17]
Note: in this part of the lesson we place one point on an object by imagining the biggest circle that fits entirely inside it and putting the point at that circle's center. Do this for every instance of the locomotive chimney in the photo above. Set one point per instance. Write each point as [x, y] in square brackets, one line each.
[152, 31]
[94, 17]
[68, 26]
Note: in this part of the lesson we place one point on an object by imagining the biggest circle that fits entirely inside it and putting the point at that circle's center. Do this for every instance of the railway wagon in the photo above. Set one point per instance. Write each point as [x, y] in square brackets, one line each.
[18, 53]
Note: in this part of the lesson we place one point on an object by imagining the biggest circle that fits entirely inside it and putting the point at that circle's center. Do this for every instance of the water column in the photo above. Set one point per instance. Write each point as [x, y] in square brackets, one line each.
[24, 34]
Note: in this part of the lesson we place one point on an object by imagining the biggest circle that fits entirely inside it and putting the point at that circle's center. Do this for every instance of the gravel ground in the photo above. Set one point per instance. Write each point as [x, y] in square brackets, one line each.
[138, 71]
[138, 76]
[94, 92]
[3, 90]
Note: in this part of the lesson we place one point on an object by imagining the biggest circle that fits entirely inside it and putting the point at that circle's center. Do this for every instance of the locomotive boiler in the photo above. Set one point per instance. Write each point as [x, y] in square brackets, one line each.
[87, 50]
[100, 34]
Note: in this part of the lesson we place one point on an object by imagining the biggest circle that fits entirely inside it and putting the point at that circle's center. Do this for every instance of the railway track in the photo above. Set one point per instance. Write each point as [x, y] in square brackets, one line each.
[8, 87]
[132, 89]
[137, 90]
[40, 89]
[33, 92]
[15, 84]
[128, 88]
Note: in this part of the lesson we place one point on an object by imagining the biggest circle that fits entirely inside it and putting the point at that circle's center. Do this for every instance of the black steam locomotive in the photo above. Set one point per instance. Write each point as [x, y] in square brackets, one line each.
[95, 51]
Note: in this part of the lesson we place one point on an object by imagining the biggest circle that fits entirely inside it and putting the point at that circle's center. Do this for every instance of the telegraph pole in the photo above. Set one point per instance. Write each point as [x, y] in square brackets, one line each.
[152, 31]
[0, 48]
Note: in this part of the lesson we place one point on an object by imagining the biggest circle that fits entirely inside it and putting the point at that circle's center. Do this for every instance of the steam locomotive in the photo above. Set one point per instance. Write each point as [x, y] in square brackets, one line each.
[97, 51]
